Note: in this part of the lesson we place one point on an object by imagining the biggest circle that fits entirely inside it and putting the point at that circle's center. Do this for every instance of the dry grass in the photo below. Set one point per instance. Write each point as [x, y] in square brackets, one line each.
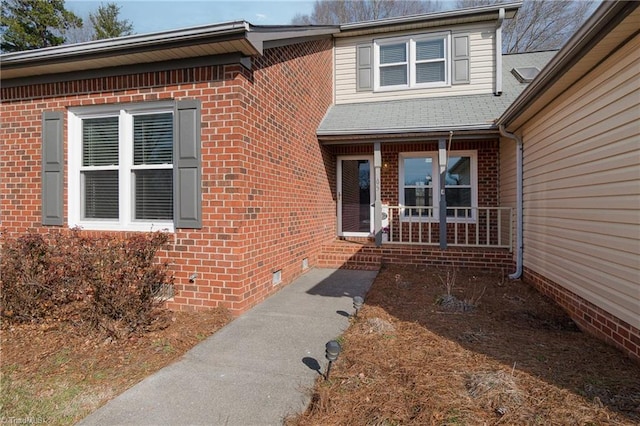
[511, 358]
[54, 373]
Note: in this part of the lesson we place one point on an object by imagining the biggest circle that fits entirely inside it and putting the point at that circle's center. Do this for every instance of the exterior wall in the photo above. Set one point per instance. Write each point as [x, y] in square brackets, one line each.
[487, 179]
[507, 182]
[589, 317]
[365, 255]
[482, 68]
[265, 188]
[488, 176]
[582, 196]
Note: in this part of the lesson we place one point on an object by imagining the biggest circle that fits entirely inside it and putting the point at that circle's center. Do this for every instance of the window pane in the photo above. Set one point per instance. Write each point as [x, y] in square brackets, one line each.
[393, 76]
[153, 194]
[418, 171]
[153, 139]
[421, 196]
[100, 141]
[458, 197]
[459, 171]
[430, 72]
[430, 49]
[393, 53]
[100, 194]
[418, 197]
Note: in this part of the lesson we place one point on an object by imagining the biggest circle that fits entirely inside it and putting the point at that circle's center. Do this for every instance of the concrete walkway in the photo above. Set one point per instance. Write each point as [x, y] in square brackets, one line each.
[256, 370]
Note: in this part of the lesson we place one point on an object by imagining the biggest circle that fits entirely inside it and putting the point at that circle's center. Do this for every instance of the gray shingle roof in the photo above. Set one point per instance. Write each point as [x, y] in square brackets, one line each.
[470, 112]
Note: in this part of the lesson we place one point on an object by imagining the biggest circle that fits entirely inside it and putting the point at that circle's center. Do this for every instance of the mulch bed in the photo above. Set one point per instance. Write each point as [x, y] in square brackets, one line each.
[481, 350]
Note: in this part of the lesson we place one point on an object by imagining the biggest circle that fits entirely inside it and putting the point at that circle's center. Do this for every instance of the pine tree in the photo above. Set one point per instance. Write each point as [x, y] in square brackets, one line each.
[106, 23]
[33, 24]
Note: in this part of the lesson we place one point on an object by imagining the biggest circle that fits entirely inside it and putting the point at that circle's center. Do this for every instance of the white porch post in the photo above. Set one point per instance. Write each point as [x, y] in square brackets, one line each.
[377, 206]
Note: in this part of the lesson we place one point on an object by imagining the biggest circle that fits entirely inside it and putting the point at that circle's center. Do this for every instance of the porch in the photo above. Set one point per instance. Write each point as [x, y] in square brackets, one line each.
[479, 237]
[424, 202]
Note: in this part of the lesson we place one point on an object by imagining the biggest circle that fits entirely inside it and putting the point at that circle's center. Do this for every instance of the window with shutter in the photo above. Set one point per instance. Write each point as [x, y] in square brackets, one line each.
[121, 167]
[414, 61]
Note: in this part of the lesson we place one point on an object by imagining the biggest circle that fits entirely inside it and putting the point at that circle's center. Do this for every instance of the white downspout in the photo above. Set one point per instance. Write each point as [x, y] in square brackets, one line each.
[498, 90]
[519, 186]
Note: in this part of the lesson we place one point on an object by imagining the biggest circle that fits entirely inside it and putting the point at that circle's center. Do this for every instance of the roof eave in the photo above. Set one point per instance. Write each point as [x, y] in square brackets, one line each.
[138, 42]
[595, 29]
[510, 9]
[471, 128]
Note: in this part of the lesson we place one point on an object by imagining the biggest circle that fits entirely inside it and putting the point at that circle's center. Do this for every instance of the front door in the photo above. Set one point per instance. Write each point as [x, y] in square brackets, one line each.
[355, 196]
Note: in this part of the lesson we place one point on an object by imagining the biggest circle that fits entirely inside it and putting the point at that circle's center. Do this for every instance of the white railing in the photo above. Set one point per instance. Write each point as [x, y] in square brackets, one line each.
[466, 226]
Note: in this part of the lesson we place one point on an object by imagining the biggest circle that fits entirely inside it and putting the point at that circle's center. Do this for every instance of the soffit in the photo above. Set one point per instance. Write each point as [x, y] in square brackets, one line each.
[115, 59]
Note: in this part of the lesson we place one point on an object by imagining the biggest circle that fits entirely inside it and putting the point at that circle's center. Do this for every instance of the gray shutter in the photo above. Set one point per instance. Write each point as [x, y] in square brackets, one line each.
[364, 68]
[52, 168]
[187, 174]
[460, 59]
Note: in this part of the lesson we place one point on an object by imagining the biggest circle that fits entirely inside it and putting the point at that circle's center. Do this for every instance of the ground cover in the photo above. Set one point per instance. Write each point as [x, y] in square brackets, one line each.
[55, 372]
[470, 348]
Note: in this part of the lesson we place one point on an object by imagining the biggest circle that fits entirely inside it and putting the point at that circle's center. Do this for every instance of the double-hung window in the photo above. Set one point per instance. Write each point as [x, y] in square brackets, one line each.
[420, 185]
[412, 62]
[121, 167]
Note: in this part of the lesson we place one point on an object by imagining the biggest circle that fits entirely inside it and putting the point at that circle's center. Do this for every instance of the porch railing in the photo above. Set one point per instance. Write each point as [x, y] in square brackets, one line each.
[466, 226]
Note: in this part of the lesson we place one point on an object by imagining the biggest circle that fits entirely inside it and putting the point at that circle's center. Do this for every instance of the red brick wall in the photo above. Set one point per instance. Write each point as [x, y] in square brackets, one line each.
[488, 161]
[267, 201]
[588, 316]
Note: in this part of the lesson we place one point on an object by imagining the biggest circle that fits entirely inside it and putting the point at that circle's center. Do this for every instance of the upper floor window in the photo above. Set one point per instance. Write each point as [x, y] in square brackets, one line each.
[407, 62]
[121, 167]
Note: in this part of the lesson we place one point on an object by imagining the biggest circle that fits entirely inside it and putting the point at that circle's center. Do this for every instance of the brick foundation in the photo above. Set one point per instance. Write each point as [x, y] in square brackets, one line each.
[590, 318]
[365, 255]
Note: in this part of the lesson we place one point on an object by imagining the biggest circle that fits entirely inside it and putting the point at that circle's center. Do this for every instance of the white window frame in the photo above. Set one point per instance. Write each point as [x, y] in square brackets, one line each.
[435, 185]
[126, 221]
[411, 61]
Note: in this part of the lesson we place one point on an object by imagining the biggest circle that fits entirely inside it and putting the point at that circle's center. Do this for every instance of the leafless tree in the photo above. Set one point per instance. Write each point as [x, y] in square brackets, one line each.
[539, 24]
[80, 34]
[334, 12]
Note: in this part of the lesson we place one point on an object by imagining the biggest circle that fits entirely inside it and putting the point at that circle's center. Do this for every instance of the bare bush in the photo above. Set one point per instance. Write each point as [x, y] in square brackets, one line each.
[109, 283]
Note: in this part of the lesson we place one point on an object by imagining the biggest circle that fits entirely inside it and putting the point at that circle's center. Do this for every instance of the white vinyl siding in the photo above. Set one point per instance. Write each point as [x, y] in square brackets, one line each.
[582, 187]
[508, 181]
[482, 67]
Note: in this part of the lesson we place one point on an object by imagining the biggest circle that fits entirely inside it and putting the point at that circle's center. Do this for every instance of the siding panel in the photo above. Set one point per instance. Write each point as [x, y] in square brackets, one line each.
[582, 187]
[482, 67]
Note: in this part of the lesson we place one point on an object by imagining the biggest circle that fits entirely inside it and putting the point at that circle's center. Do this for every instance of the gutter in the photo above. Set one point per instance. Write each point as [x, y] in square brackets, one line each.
[519, 203]
[447, 14]
[393, 130]
[136, 42]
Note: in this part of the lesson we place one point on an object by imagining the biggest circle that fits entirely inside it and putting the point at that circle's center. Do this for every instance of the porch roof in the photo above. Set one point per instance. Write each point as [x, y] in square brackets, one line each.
[432, 115]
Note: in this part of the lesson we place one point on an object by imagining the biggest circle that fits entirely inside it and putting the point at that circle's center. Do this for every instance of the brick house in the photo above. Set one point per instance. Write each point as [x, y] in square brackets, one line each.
[244, 188]
[266, 150]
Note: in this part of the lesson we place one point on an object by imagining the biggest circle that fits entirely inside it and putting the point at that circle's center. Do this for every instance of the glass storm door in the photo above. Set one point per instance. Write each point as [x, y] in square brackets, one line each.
[355, 196]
